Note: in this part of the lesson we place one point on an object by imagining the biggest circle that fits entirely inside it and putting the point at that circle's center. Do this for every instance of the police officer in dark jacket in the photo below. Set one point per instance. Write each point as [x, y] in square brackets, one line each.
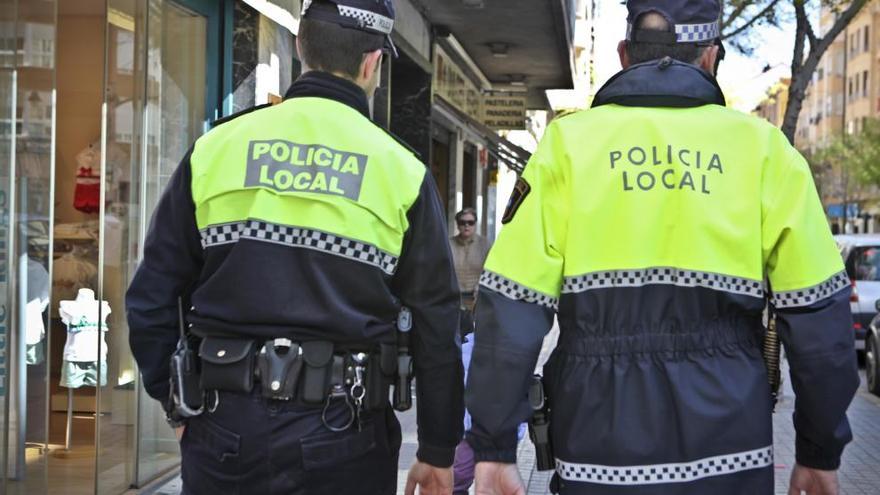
[657, 225]
[309, 249]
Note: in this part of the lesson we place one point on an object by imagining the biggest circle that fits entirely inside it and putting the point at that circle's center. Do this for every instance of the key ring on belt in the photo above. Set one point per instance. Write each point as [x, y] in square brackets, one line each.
[338, 392]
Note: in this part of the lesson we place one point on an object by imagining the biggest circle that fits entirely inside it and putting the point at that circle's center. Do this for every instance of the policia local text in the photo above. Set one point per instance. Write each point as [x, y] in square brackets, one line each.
[696, 179]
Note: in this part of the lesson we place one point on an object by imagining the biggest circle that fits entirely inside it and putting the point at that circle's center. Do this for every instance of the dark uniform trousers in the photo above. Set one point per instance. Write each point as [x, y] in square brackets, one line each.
[253, 445]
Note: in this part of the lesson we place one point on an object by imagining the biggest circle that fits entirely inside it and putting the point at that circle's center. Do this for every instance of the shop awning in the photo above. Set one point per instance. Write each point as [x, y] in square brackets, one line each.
[511, 155]
[522, 42]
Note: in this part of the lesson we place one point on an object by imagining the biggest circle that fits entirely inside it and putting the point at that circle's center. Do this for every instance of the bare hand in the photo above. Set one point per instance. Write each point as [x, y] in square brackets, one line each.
[813, 482]
[430, 480]
[179, 433]
[495, 478]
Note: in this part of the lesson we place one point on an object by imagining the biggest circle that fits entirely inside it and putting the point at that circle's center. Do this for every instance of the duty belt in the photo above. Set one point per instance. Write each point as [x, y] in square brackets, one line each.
[315, 373]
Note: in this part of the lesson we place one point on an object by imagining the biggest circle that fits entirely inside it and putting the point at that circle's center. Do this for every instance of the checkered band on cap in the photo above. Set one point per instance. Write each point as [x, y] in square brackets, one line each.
[298, 237]
[810, 295]
[661, 276]
[513, 290]
[696, 33]
[654, 474]
[689, 33]
[367, 19]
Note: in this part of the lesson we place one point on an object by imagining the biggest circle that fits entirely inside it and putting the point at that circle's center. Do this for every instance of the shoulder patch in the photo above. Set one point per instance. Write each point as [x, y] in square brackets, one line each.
[520, 191]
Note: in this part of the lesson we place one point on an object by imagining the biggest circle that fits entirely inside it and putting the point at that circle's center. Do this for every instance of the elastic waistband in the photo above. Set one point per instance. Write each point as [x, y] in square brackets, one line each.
[713, 335]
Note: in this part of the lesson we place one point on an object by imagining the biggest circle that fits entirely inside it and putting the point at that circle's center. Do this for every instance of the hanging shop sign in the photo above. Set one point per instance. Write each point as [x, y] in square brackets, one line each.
[504, 111]
[455, 87]
[496, 110]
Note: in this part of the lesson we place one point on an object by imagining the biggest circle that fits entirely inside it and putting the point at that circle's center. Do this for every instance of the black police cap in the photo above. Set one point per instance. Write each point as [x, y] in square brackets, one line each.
[371, 16]
[693, 21]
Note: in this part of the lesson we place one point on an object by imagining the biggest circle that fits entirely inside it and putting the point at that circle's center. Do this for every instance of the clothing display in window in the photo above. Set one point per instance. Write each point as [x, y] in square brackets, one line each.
[85, 330]
[87, 195]
[72, 272]
[37, 302]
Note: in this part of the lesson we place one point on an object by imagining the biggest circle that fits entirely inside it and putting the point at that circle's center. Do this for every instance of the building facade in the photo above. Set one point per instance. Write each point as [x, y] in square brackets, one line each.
[772, 107]
[100, 99]
[843, 95]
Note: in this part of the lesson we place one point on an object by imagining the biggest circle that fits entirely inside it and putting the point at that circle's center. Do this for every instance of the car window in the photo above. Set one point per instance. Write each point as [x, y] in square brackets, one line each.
[866, 264]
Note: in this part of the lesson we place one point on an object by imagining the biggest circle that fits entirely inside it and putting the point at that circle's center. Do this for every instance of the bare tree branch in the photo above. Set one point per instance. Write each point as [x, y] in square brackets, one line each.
[737, 12]
[769, 8]
[802, 68]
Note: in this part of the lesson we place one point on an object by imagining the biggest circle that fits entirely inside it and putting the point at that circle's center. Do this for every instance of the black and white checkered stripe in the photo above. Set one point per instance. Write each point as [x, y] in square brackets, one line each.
[689, 33]
[696, 33]
[218, 235]
[662, 275]
[810, 295]
[302, 238]
[368, 19]
[513, 290]
[654, 474]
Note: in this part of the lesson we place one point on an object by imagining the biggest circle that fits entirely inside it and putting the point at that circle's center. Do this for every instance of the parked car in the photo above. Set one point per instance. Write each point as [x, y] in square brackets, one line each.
[861, 255]
[872, 348]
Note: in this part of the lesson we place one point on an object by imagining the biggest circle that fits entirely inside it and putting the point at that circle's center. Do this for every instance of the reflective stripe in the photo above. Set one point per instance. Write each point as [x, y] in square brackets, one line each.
[662, 275]
[367, 18]
[689, 33]
[513, 290]
[302, 238]
[653, 474]
[218, 235]
[810, 295]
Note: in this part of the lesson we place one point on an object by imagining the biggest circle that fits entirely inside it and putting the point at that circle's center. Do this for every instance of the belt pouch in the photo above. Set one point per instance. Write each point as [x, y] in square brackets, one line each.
[377, 384]
[227, 364]
[388, 359]
[279, 370]
[318, 358]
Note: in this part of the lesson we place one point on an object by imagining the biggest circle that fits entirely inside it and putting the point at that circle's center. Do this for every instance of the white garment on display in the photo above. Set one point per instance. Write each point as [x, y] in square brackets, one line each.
[81, 318]
[38, 301]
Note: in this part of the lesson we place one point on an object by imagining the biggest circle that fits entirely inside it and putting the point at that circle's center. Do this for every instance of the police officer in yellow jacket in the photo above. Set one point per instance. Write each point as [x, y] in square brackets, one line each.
[655, 226]
[309, 248]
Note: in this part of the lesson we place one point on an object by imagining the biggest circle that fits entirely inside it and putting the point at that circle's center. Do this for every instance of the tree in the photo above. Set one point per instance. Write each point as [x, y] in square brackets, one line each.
[863, 152]
[739, 17]
[849, 166]
[803, 63]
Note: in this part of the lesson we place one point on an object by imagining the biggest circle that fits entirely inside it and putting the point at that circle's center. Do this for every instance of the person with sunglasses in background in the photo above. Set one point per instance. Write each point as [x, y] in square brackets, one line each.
[469, 250]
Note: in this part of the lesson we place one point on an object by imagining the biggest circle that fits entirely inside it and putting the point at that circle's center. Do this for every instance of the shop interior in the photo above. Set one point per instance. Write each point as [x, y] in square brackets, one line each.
[78, 423]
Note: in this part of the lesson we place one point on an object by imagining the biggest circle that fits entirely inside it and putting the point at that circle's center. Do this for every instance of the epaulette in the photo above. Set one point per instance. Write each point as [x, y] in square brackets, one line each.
[234, 116]
[401, 142]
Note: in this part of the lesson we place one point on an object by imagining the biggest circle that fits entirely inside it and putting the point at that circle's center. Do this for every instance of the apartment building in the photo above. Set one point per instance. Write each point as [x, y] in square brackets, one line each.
[772, 108]
[843, 95]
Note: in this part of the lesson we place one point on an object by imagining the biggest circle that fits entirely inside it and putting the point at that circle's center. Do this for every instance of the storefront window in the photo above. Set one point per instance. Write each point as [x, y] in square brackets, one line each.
[99, 101]
[27, 113]
[176, 114]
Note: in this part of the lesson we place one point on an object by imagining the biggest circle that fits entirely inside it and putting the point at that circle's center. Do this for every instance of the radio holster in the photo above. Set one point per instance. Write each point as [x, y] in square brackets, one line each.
[539, 425]
[403, 381]
[187, 396]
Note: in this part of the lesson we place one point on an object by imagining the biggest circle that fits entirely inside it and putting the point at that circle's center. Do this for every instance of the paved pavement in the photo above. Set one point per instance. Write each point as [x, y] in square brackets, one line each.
[859, 474]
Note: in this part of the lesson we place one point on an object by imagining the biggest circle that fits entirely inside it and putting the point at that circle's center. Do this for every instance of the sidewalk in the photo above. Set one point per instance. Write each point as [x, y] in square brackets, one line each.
[858, 474]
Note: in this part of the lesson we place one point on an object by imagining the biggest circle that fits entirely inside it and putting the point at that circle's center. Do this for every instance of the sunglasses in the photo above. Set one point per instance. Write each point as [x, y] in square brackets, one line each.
[469, 223]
